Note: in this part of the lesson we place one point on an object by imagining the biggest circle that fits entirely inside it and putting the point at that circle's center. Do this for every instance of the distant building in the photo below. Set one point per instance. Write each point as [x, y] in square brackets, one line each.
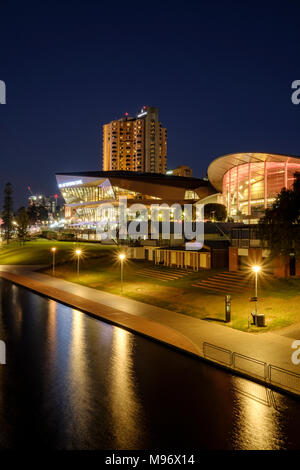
[135, 144]
[181, 170]
[48, 202]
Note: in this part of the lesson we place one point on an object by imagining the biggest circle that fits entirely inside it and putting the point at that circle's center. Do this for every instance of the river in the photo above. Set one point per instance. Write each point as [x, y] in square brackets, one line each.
[74, 382]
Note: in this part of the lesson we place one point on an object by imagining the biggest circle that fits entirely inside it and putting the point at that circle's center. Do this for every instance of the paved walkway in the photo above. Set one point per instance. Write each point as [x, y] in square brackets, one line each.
[176, 329]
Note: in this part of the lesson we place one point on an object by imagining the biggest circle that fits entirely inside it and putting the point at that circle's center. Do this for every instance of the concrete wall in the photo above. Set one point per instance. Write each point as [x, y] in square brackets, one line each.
[279, 267]
[233, 259]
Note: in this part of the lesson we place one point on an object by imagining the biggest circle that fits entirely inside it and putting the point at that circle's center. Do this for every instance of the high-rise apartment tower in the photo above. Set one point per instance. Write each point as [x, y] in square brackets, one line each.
[136, 144]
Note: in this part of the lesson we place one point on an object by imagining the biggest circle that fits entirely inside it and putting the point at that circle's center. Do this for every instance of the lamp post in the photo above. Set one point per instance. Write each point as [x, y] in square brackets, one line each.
[78, 254]
[122, 258]
[256, 269]
[53, 250]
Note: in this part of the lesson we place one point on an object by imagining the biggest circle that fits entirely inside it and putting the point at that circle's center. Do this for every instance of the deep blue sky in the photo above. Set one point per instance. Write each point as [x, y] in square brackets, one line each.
[219, 71]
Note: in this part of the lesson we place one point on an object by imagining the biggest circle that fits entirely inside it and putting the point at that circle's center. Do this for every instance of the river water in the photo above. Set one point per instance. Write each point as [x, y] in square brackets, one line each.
[74, 382]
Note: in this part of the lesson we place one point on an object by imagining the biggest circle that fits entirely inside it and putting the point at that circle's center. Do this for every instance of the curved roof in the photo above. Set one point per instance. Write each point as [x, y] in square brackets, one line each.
[157, 185]
[221, 165]
[154, 178]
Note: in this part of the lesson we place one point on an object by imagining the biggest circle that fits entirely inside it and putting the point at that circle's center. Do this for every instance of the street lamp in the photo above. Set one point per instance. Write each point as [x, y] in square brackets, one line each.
[78, 253]
[256, 269]
[122, 258]
[53, 250]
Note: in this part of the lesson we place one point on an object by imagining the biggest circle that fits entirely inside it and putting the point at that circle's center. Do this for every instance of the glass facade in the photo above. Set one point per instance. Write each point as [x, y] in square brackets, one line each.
[250, 188]
[104, 192]
[85, 204]
[85, 193]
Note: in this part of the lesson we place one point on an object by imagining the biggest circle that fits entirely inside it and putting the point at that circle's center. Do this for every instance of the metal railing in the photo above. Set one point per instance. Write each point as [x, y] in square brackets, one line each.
[268, 372]
[210, 351]
[250, 365]
[284, 377]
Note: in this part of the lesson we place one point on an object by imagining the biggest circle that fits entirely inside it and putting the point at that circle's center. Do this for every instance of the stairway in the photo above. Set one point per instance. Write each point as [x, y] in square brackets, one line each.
[162, 274]
[227, 283]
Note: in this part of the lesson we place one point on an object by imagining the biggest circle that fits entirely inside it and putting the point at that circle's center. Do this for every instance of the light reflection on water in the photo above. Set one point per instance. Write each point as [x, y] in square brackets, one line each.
[124, 401]
[73, 382]
[77, 376]
[256, 420]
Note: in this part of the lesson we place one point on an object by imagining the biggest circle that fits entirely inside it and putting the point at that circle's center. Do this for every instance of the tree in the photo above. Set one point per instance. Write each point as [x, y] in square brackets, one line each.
[23, 222]
[215, 212]
[43, 213]
[37, 213]
[7, 213]
[280, 229]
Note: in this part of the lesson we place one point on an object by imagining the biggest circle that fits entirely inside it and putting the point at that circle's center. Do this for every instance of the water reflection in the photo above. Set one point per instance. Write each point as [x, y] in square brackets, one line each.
[73, 382]
[125, 407]
[78, 376]
[51, 329]
[256, 422]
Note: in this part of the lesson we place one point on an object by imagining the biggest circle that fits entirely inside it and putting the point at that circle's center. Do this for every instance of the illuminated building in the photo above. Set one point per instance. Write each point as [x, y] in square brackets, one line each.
[250, 182]
[49, 202]
[135, 144]
[84, 193]
[246, 183]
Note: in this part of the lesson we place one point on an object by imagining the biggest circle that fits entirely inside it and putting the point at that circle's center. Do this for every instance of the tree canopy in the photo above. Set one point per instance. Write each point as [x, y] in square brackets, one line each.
[280, 227]
[7, 213]
[215, 212]
[23, 222]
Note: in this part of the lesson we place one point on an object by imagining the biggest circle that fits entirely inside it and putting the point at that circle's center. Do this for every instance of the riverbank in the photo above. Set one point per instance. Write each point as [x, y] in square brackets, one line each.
[264, 358]
[176, 290]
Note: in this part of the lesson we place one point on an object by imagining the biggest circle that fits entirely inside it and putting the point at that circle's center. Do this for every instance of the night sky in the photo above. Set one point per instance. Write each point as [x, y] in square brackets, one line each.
[220, 73]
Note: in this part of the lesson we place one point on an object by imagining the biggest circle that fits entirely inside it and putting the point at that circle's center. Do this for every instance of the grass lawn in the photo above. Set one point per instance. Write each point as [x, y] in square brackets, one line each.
[279, 299]
[38, 251]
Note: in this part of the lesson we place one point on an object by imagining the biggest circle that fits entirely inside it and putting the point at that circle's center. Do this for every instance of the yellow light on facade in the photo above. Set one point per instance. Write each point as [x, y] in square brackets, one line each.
[122, 256]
